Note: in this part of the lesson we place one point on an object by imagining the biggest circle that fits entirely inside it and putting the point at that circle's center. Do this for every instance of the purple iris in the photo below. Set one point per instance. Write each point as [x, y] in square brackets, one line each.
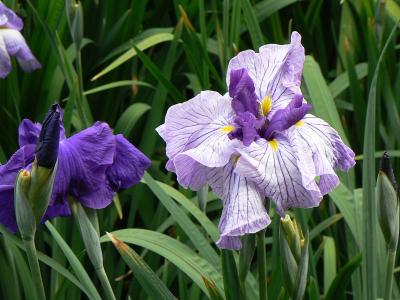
[12, 43]
[257, 141]
[92, 166]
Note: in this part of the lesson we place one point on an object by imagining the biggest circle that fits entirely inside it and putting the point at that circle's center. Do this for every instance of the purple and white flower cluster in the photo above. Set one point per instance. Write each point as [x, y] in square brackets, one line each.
[258, 141]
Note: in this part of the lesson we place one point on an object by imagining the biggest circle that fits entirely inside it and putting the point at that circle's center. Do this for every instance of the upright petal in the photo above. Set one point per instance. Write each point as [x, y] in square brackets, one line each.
[9, 19]
[276, 70]
[200, 121]
[16, 46]
[20, 159]
[82, 163]
[273, 167]
[322, 150]
[5, 61]
[128, 166]
[243, 209]
[241, 89]
[28, 132]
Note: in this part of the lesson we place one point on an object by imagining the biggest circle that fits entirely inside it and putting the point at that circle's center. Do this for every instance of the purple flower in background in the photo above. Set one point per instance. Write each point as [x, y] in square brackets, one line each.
[257, 141]
[12, 43]
[93, 165]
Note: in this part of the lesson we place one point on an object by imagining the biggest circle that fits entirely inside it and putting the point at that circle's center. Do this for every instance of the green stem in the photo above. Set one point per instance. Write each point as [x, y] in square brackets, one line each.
[105, 283]
[34, 266]
[262, 263]
[389, 274]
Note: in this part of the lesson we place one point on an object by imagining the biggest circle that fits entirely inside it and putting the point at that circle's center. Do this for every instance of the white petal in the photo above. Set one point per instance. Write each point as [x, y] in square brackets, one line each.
[5, 62]
[276, 171]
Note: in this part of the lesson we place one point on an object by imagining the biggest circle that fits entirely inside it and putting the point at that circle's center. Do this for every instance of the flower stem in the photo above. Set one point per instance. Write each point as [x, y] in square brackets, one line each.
[34, 266]
[389, 274]
[105, 283]
[262, 263]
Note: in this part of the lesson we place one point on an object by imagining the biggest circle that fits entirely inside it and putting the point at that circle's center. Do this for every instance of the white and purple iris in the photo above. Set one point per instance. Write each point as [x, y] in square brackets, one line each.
[92, 166]
[257, 141]
[12, 43]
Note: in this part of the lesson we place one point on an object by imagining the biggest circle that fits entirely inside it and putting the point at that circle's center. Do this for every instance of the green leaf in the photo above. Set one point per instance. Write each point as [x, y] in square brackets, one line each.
[176, 252]
[130, 117]
[341, 83]
[317, 230]
[230, 276]
[76, 265]
[264, 9]
[116, 84]
[146, 43]
[148, 280]
[253, 25]
[329, 262]
[338, 287]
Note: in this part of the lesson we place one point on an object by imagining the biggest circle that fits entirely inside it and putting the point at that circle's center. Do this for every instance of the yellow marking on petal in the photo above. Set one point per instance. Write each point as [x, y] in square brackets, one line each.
[227, 128]
[299, 123]
[235, 159]
[266, 105]
[274, 144]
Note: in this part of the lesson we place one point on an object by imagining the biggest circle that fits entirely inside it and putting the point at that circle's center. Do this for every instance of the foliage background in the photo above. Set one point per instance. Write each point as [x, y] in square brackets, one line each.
[139, 57]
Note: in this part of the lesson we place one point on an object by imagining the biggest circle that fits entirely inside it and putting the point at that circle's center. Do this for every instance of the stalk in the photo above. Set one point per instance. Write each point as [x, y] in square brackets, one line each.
[262, 262]
[105, 283]
[389, 274]
[34, 266]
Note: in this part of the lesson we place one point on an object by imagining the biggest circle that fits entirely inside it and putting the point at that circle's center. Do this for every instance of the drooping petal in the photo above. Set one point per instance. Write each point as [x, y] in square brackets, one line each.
[128, 166]
[322, 150]
[16, 46]
[241, 89]
[20, 159]
[288, 116]
[276, 70]
[273, 167]
[199, 128]
[82, 163]
[243, 209]
[5, 61]
[9, 19]
[7, 210]
[28, 132]
[190, 173]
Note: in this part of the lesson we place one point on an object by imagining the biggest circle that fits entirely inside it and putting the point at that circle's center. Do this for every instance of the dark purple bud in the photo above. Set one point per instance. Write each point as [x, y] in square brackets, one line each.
[47, 145]
[386, 168]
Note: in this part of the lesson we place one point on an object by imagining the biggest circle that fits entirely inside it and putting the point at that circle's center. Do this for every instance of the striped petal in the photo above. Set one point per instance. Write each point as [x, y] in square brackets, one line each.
[243, 211]
[274, 167]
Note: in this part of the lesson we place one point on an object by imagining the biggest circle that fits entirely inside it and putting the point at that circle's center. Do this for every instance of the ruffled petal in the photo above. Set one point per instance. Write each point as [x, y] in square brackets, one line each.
[241, 89]
[28, 132]
[199, 122]
[273, 166]
[7, 211]
[16, 46]
[20, 160]
[82, 163]
[129, 165]
[5, 61]
[276, 70]
[243, 209]
[322, 149]
[9, 19]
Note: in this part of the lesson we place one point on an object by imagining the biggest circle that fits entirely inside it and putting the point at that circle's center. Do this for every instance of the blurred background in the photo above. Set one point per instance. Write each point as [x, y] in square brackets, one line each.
[125, 62]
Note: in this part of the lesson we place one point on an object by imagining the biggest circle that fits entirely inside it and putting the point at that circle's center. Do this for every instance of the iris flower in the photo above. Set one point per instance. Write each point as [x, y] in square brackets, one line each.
[257, 141]
[12, 43]
[93, 165]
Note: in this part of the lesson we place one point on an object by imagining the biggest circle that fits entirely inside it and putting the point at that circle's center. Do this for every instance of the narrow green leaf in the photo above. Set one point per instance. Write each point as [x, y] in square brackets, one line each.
[130, 117]
[341, 83]
[329, 262]
[253, 25]
[230, 276]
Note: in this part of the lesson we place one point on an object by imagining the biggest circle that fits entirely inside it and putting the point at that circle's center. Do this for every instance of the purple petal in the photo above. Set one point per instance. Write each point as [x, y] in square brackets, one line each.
[243, 211]
[190, 173]
[7, 211]
[82, 164]
[5, 61]
[9, 19]
[196, 129]
[274, 167]
[28, 132]
[16, 46]
[276, 70]
[129, 165]
[247, 128]
[57, 210]
[285, 118]
[20, 159]
[322, 150]
[241, 89]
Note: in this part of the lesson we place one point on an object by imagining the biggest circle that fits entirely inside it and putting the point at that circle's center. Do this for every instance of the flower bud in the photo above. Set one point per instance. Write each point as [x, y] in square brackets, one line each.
[49, 138]
[294, 257]
[23, 210]
[388, 203]
[75, 21]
